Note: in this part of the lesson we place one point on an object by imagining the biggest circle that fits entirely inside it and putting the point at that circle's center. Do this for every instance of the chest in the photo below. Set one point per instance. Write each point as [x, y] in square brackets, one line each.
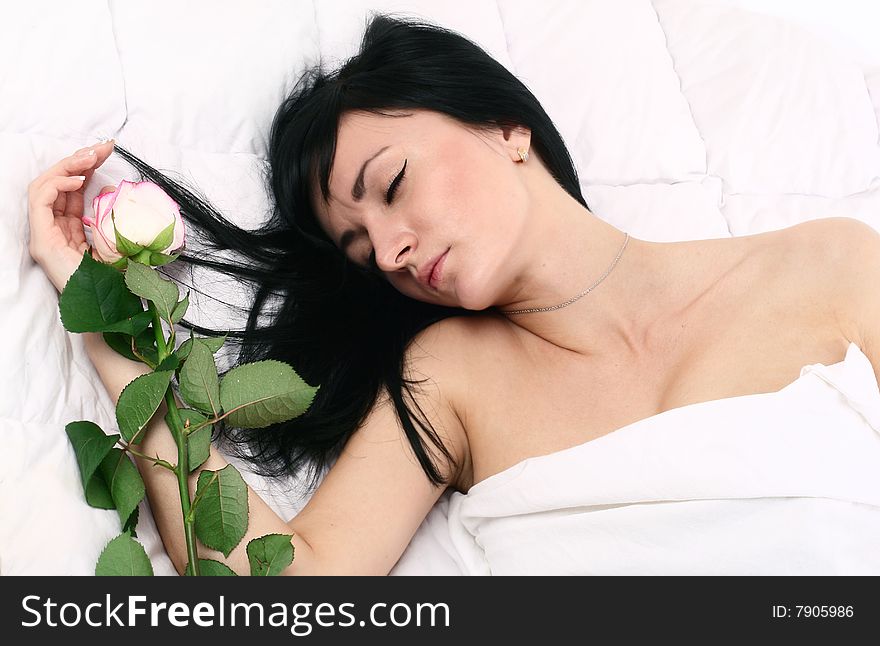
[742, 342]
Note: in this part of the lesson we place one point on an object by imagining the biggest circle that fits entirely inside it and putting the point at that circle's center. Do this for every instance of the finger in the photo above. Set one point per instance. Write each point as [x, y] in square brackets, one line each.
[81, 162]
[73, 205]
[60, 204]
[42, 199]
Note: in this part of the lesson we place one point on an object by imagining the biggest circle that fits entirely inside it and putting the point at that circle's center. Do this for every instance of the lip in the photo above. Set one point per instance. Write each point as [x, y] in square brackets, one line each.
[432, 273]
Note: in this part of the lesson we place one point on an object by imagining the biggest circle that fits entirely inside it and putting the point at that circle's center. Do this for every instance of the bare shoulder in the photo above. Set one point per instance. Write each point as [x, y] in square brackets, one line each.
[452, 356]
[453, 346]
[839, 258]
[832, 238]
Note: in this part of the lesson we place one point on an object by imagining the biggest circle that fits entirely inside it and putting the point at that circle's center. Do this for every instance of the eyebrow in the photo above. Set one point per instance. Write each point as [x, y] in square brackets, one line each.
[357, 194]
[358, 190]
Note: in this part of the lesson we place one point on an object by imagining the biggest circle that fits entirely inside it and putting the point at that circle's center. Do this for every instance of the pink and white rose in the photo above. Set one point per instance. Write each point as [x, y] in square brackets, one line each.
[138, 221]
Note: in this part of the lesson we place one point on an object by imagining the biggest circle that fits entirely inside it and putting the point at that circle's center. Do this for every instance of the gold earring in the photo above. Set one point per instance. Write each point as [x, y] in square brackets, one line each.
[523, 154]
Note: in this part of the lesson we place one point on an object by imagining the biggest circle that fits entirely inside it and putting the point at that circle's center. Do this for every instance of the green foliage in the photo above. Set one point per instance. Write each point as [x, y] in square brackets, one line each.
[123, 245]
[139, 401]
[157, 259]
[180, 309]
[265, 393]
[131, 524]
[95, 299]
[124, 556]
[98, 493]
[164, 239]
[145, 344]
[199, 383]
[90, 445]
[199, 442]
[171, 362]
[221, 509]
[101, 298]
[269, 555]
[210, 567]
[148, 283]
[214, 344]
[124, 482]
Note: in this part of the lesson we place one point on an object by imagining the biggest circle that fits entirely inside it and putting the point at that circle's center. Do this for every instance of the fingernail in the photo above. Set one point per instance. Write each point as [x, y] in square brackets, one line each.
[86, 153]
[79, 177]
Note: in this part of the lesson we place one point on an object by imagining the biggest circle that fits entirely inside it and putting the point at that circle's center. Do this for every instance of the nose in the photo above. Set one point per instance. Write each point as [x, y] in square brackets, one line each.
[393, 251]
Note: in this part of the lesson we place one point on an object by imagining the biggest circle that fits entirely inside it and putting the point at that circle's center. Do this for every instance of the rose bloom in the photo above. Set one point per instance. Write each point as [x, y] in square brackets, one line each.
[147, 221]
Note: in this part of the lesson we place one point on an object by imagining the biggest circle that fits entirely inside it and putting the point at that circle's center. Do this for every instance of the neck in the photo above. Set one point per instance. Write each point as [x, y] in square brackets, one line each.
[566, 250]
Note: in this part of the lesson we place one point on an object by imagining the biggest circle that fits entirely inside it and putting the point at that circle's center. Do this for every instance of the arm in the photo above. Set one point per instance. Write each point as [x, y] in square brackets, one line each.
[360, 519]
[116, 372]
[863, 291]
[368, 506]
[852, 279]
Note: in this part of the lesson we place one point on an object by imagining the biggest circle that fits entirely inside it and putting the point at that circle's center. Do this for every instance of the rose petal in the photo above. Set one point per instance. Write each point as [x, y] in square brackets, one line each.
[101, 249]
[143, 211]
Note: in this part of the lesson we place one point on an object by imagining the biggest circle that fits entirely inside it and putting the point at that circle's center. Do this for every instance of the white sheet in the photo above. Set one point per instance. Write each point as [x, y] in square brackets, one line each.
[781, 483]
[686, 118]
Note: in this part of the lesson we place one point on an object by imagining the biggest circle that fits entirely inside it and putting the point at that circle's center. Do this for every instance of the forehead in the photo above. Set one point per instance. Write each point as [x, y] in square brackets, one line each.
[360, 136]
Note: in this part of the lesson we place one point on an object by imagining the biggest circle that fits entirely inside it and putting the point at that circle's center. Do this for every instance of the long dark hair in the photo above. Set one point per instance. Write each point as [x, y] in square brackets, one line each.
[340, 326]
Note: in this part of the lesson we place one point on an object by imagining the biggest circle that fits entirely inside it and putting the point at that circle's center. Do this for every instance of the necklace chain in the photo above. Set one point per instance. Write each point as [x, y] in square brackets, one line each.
[582, 294]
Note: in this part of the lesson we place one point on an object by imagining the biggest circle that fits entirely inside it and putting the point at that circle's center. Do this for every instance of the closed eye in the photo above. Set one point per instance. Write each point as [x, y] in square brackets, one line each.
[389, 196]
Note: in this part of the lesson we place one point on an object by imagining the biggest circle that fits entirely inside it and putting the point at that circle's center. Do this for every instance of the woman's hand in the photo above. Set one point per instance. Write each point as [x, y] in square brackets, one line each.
[55, 210]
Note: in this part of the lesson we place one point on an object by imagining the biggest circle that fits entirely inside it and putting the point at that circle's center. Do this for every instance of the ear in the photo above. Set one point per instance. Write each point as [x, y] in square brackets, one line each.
[516, 138]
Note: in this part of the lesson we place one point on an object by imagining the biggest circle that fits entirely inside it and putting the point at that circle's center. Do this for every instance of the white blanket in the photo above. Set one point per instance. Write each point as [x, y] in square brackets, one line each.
[686, 119]
[782, 483]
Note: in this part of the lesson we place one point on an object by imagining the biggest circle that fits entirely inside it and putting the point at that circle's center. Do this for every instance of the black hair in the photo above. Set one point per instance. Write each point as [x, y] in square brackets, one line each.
[339, 325]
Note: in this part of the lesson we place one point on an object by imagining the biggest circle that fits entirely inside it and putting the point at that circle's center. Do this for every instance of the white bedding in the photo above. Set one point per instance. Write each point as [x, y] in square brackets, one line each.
[686, 119]
[786, 483]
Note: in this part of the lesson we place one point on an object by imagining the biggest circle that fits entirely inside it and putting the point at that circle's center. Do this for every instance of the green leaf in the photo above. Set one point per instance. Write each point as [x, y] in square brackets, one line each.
[199, 442]
[142, 257]
[199, 447]
[180, 309]
[268, 392]
[171, 362]
[158, 259]
[269, 555]
[98, 493]
[221, 511]
[214, 344]
[131, 326]
[145, 343]
[199, 383]
[131, 524]
[124, 556]
[184, 348]
[148, 283]
[96, 298]
[164, 239]
[123, 245]
[121, 343]
[90, 445]
[126, 485]
[210, 567]
[139, 400]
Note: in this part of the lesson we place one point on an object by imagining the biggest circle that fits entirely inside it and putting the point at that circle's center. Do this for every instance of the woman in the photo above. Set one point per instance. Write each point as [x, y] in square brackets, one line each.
[429, 223]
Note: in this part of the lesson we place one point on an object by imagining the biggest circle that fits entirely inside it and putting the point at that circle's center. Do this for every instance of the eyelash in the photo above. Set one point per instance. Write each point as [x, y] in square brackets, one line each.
[395, 183]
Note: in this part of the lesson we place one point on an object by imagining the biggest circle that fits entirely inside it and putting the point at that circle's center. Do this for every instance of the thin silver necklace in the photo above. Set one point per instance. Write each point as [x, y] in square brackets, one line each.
[582, 294]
